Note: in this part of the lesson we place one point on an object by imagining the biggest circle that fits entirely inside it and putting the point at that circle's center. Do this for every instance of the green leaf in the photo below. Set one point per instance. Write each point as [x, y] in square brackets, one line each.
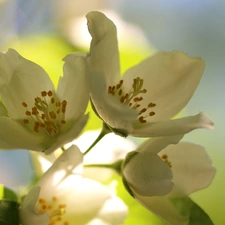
[186, 207]
[198, 216]
[7, 194]
[9, 213]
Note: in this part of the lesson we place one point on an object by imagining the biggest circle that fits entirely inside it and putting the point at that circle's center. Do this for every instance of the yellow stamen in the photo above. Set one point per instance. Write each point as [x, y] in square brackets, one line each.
[47, 114]
[132, 98]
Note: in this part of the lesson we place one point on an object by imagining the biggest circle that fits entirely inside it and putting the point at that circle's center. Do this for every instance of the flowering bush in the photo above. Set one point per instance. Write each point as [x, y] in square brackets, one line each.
[76, 186]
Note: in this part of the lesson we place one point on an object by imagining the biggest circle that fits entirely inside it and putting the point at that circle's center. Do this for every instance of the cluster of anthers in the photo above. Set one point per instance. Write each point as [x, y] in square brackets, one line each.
[53, 209]
[47, 114]
[133, 98]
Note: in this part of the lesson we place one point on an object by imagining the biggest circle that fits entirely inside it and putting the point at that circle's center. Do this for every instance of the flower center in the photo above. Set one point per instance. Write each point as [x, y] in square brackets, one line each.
[54, 210]
[133, 98]
[47, 113]
[166, 160]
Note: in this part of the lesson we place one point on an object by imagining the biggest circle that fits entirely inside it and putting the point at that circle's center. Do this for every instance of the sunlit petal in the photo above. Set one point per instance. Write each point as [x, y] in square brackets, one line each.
[29, 213]
[191, 167]
[73, 85]
[69, 162]
[104, 53]
[148, 175]
[109, 107]
[21, 81]
[173, 127]
[170, 79]
[13, 136]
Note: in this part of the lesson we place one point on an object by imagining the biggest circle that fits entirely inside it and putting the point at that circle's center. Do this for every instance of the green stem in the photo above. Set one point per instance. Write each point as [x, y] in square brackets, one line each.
[117, 166]
[99, 165]
[105, 130]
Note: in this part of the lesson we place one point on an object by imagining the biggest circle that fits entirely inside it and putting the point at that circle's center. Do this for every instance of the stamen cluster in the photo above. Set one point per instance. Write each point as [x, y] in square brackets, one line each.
[54, 210]
[48, 113]
[132, 98]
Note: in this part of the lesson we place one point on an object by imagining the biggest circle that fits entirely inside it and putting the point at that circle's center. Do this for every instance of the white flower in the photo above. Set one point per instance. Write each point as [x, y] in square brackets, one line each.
[159, 171]
[149, 94]
[63, 196]
[39, 117]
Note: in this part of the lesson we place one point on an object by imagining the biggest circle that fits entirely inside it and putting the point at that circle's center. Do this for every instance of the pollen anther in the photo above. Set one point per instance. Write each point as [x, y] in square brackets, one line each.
[47, 114]
[133, 98]
[53, 209]
[24, 104]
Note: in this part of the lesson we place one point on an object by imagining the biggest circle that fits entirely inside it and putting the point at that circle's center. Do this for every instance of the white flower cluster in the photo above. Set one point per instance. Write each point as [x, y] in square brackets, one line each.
[141, 103]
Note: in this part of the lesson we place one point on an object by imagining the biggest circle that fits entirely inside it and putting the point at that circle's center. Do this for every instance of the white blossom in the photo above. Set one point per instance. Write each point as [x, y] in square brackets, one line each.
[144, 100]
[161, 170]
[63, 196]
[38, 117]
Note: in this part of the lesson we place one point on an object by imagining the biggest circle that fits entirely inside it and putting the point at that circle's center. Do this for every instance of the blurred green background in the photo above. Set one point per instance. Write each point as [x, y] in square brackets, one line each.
[45, 31]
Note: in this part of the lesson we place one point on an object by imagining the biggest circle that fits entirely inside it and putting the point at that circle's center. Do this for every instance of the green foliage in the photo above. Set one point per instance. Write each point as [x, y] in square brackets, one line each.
[198, 216]
[7, 194]
[186, 207]
[9, 213]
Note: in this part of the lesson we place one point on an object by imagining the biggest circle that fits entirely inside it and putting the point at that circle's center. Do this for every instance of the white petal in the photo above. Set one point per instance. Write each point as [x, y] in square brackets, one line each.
[113, 212]
[21, 81]
[28, 212]
[104, 54]
[84, 198]
[67, 135]
[16, 136]
[173, 127]
[163, 207]
[146, 173]
[170, 78]
[74, 86]
[69, 162]
[155, 145]
[191, 166]
[97, 221]
[109, 108]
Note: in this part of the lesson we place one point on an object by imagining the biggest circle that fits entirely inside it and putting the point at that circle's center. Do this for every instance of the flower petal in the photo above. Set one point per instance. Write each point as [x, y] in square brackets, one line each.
[84, 198]
[192, 170]
[13, 136]
[173, 127]
[67, 134]
[170, 79]
[21, 81]
[113, 212]
[163, 207]
[74, 86]
[191, 166]
[28, 212]
[148, 175]
[108, 107]
[104, 53]
[69, 162]
[157, 144]
[145, 172]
